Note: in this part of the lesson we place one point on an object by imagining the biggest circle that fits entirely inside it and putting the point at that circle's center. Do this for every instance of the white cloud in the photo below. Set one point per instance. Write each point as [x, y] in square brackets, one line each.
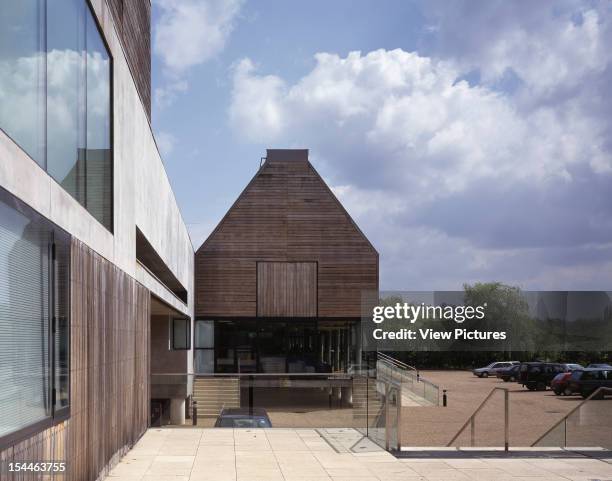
[412, 148]
[188, 33]
[550, 46]
[412, 120]
[165, 142]
[164, 96]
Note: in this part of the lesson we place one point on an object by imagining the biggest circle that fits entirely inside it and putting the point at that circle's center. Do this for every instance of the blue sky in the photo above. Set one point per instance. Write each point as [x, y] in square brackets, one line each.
[471, 141]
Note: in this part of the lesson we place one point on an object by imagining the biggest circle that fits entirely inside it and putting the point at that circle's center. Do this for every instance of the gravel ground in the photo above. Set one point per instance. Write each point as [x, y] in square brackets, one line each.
[531, 413]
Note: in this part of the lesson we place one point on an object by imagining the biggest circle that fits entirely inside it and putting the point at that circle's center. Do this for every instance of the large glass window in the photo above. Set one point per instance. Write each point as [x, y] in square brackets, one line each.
[204, 344]
[34, 324]
[22, 71]
[55, 95]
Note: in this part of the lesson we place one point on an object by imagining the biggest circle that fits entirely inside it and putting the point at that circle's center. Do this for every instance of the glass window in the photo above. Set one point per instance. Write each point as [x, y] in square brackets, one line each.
[204, 334]
[60, 322]
[181, 334]
[55, 96]
[98, 161]
[34, 282]
[204, 361]
[66, 95]
[22, 75]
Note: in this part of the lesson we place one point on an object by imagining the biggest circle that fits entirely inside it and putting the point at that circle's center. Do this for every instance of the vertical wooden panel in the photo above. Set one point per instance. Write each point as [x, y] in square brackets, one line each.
[287, 289]
[109, 370]
[109, 363]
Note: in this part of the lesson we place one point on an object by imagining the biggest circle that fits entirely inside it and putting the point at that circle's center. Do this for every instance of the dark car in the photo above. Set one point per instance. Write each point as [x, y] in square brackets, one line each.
[491, 369]
[537, 376]
[599, 366]
[586, 382]
[573, 366]
[560, 384]
[243, 418]
[509, 374]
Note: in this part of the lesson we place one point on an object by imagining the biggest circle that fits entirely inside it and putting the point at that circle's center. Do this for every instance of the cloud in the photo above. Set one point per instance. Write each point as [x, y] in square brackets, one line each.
[459, 181]
[23, 106]
[187, 34]
[165, 142]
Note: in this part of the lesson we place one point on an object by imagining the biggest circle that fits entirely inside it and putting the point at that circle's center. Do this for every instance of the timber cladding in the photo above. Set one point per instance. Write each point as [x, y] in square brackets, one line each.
[109, 372]
[287, 289]
[286, 214]
[133, 22]
[109, 377]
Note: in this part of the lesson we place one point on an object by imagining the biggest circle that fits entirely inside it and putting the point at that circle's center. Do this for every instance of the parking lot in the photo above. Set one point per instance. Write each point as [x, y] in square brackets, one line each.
[531, 412]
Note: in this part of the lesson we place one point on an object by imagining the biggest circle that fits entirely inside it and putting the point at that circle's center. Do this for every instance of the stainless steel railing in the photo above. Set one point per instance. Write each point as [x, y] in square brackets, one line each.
[471, 421]
[587, 424]
[409, 378]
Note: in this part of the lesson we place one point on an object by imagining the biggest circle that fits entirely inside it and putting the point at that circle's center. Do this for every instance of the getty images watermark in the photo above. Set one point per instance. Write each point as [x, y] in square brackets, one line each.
[486, 318]
[411, 313]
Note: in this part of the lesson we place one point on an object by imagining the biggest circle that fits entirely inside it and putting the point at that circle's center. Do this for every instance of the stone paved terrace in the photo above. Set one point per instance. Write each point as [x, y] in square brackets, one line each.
[183, 454]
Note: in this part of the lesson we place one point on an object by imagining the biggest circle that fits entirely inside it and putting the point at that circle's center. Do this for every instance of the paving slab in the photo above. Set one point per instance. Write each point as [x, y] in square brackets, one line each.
[180, 454]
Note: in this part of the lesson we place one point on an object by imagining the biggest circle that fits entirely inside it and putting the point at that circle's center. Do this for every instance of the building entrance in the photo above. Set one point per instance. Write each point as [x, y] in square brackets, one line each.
[279, 346]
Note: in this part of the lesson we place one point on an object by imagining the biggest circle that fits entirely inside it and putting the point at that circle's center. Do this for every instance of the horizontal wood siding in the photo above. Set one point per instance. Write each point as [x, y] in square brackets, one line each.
[287, 289]
[286, 214]
[109, 372]
[133, 22]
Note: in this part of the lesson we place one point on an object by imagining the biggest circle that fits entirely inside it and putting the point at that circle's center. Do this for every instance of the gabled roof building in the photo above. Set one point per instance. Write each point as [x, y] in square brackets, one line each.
[278, 283]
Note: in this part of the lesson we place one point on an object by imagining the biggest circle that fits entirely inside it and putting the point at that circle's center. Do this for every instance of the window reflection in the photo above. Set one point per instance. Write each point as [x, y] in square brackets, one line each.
[22, 69]
[74, 115]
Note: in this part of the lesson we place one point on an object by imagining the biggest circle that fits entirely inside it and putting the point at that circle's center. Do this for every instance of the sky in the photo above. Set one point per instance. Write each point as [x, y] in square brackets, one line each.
[471, 141]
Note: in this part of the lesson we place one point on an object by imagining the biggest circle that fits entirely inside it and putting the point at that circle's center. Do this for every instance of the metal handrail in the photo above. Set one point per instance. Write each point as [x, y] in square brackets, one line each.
[403, 369]
[472, 418]
[384, 357]
[598, 391]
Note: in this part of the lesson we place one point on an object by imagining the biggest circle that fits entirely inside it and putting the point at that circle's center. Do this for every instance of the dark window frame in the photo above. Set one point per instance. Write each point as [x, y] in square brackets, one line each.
[55, 416]
[173, 334]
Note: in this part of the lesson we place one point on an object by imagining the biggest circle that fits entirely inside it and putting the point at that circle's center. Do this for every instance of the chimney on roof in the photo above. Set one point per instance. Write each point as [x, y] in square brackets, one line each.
[287, 155]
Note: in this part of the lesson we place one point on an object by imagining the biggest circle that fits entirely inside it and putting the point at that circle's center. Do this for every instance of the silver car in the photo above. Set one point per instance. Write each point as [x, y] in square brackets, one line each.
[491, 369]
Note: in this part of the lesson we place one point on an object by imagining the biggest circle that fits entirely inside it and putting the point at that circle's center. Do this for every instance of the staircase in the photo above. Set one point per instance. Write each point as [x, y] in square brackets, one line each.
[215, 393]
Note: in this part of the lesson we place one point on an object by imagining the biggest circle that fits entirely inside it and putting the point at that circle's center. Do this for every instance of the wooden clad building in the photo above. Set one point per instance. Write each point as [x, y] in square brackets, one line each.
[286, 251]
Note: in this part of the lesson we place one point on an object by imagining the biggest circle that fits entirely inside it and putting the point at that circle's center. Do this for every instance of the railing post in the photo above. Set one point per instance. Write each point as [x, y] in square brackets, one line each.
[472, 429]
[399, 421]
[506, 420]
[387, 440]
[443, 397]
[194, 414]
[251, 389]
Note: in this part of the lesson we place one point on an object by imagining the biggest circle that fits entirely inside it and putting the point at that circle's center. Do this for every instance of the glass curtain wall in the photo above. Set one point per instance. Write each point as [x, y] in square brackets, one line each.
[34, 324]
[55, 95]
[276, 346]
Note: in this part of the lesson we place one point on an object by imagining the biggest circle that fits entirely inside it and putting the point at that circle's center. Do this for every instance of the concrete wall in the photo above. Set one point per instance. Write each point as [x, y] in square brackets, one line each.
[143, 195]
[165, 359]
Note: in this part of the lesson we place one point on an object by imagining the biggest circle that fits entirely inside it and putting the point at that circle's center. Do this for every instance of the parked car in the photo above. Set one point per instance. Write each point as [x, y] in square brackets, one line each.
[509, 374]
[243, 418]
[572, 366]
[536, 376]
[491, 369]
[560, 384]
[587, 381]
[599, 366]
